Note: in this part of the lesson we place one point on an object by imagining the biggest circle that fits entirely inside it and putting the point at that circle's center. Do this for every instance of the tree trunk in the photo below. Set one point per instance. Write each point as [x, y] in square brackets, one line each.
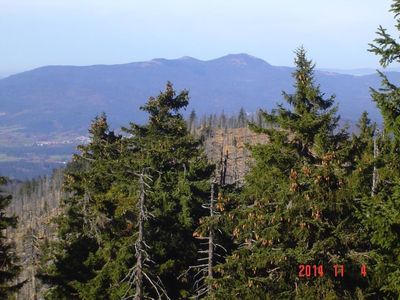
[139, 245]
[211, 242]
[375, 171]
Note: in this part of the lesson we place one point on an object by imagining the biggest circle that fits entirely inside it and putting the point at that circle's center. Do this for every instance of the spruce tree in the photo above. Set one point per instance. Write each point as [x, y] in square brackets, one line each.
[148, 196]
[242, 118]
[296, 207]
[364, 145]
[86, 220]
[180, 172]
[381, 212]
[9, 269]
[192, 122]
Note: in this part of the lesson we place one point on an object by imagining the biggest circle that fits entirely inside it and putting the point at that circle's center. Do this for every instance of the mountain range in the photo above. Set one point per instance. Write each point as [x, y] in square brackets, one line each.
[55, 100]
[359, 71]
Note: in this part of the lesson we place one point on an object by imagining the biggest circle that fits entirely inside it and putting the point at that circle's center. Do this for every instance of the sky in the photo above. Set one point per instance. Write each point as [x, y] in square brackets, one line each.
[336, 33]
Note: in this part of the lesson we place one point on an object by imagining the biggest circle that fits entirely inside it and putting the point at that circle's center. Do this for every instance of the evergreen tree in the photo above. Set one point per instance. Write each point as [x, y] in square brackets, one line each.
[222, 121]
[259, 118]
[242, 118]
[363, 153]
[296, 207]
[134, 203]
[180, 172]
[382, 210]
[9, 269]
[192, 121]
[68, 263]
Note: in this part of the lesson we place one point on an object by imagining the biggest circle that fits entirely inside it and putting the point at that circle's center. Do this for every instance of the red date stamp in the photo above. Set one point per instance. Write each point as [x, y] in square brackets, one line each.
[308, 271]
[311, 270]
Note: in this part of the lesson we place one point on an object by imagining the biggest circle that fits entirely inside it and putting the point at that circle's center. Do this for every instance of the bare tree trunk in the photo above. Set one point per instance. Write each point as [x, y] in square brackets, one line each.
[139, 244]
[224, 167]
[235, 168]
[375, 171]
[33, 278]
[211, 242]
[203, 285]
[137, 274]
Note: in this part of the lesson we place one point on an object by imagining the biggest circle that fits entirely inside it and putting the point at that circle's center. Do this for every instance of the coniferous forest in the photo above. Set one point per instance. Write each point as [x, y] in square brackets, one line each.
[311, 211]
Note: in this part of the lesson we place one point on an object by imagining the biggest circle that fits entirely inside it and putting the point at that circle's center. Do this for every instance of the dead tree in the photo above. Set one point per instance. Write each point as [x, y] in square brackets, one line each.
[223, 167]
[33, 258]
[137, 275]
[375, 170]
[204, 269]
[211, 243]
[139, 243]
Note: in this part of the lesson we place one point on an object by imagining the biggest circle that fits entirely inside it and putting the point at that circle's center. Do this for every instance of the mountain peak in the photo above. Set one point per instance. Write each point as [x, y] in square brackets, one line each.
[241, 59]
[188, 58]
[183, 59]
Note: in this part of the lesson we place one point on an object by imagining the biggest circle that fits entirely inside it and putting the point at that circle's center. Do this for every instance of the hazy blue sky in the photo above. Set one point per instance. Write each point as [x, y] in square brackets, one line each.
[81, 32]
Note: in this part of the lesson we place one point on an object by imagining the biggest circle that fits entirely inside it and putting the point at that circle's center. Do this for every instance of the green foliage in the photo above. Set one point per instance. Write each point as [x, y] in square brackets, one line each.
[85, 221]
[9, 269]
[180, 174]
[296, 206]
[313, 196]
[381, 210]
[363, 157]
[388, 97]
[95, 256]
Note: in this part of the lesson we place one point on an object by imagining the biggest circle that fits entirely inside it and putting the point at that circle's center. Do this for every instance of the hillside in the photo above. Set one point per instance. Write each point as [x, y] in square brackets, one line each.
[45, 113]
[37, 202]
[56, 102]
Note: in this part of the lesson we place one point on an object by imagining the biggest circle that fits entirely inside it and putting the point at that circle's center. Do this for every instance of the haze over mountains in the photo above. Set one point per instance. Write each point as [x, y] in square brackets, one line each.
[63, 99]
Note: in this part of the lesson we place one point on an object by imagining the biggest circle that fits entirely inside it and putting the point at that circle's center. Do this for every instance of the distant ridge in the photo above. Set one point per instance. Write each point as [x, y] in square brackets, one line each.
[358, 72]
[59, 99]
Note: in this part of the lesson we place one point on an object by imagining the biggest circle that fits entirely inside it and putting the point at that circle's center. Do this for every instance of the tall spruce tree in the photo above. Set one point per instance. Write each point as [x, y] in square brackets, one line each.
[180, 182]
[86, 220]
[296, 208]
[365, 163]
[134, 205]
[9, 269]
[382, 210]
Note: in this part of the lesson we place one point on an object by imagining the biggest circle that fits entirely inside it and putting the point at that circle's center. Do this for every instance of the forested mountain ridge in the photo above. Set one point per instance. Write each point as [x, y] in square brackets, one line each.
[44, 112]
[51, 100]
